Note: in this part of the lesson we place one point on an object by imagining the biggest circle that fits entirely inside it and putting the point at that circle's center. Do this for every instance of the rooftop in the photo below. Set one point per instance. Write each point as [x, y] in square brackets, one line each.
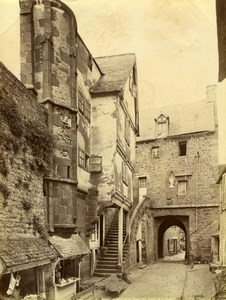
[116, 70]
[71, 246]
[184, 118]
[17, 254]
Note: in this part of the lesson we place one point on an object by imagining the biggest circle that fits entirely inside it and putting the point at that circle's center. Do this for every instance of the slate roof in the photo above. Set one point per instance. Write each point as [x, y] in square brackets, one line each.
[22, 251]
[67, 247]
[184, 118]
[116, 70]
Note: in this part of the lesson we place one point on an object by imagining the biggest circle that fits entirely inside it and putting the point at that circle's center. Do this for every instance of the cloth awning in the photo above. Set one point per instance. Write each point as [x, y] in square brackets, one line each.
[69, 247]
[24, 253]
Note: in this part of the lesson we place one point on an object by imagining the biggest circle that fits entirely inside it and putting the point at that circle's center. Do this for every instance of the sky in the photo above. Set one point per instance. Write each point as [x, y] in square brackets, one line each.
[175, 42]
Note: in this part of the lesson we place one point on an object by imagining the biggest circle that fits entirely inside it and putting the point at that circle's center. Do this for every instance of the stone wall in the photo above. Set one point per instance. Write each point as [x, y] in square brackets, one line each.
[25, 149]
[199, 169]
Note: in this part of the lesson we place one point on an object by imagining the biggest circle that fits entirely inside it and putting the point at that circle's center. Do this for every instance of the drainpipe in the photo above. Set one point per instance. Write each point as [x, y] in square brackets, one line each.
[196, 195]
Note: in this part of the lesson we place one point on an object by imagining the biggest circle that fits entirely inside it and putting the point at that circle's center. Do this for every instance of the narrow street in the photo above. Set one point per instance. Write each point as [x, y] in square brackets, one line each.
[168, 280]
[173, 281]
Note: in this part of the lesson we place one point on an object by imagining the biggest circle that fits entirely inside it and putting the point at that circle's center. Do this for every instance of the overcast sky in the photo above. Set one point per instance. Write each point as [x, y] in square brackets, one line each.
[175, 42]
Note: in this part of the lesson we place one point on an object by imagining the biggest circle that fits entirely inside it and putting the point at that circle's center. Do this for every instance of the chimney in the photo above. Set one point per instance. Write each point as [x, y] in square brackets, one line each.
[211, 91]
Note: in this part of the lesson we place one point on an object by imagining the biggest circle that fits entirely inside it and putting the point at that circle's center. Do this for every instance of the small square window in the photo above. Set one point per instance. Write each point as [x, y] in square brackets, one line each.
[182, 148]
[142, 182]
[155, 152]
[182, 188]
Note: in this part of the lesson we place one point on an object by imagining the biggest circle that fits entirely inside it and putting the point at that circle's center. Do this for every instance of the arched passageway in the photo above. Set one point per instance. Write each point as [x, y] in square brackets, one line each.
[165, 224]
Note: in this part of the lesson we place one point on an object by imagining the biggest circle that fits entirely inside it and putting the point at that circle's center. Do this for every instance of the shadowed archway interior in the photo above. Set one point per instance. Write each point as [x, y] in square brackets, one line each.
[167, 223]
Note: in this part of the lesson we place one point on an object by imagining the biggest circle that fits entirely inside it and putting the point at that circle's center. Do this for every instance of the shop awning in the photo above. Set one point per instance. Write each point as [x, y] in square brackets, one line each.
[24, 253]
[69, 247]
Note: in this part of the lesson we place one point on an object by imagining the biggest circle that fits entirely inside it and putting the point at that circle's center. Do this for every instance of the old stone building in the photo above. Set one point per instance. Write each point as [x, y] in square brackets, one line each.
[81, 191]
[176, 168]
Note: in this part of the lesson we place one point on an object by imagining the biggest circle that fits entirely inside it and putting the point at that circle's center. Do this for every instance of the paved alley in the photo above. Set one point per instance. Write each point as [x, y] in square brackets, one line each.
[169, 280]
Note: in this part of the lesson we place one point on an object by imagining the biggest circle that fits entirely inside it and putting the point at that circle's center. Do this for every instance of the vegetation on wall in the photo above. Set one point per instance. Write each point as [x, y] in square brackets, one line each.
[24, 131]
[39, 140]
[10, 113]
[38, 227]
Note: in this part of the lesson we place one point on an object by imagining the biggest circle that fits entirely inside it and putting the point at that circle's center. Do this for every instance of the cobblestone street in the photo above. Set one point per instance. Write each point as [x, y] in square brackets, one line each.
[168, 280]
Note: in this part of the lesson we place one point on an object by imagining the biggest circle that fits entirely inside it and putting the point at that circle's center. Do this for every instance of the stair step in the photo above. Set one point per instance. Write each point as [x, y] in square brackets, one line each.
[106, 262]
[106, 274]
[115, 270]
[104, 266]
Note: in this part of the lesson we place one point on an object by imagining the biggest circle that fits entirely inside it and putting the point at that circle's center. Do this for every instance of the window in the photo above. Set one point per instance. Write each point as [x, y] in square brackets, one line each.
[182, 148]
[142, 182]
[124, 173]
[87, 111]
[162, 126]
[68, 172]
[94, 233]
[127, 131]
[155, 152]
[84, 107]
[182, 188]
[65, 270]
[83, 159]
[80, 103]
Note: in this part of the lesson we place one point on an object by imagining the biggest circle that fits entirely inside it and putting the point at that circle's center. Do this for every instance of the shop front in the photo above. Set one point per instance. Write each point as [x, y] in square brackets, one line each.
[26, 268]
[66, 270]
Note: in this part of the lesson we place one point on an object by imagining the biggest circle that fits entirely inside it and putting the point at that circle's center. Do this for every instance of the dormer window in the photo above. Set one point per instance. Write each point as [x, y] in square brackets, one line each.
[162, 126]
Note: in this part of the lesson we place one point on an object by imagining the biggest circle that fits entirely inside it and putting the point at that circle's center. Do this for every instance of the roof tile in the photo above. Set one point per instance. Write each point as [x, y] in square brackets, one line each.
[116, 70]
[72, 246]
[21, 251]
[184, 118]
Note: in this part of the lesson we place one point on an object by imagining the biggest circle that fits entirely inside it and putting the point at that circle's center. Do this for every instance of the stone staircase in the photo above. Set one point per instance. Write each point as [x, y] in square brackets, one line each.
[107, 263]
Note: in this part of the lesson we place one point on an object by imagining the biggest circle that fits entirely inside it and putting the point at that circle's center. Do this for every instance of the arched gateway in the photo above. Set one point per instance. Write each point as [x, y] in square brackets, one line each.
[165, 222]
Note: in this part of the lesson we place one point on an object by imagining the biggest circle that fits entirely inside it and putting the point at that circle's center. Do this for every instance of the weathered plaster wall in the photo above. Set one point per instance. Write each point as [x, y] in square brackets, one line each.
[87, 74]
[104, 143]
[129, 93]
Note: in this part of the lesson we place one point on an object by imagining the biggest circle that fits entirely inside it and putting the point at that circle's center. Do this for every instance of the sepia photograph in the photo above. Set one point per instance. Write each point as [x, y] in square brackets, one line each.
[112, 149]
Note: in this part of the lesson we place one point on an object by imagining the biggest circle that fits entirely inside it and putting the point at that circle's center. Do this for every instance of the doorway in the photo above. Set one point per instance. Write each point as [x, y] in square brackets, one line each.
[172, 239]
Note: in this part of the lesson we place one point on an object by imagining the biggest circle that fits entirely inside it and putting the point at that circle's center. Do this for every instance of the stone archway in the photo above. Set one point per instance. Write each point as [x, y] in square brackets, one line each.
[163, 223]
